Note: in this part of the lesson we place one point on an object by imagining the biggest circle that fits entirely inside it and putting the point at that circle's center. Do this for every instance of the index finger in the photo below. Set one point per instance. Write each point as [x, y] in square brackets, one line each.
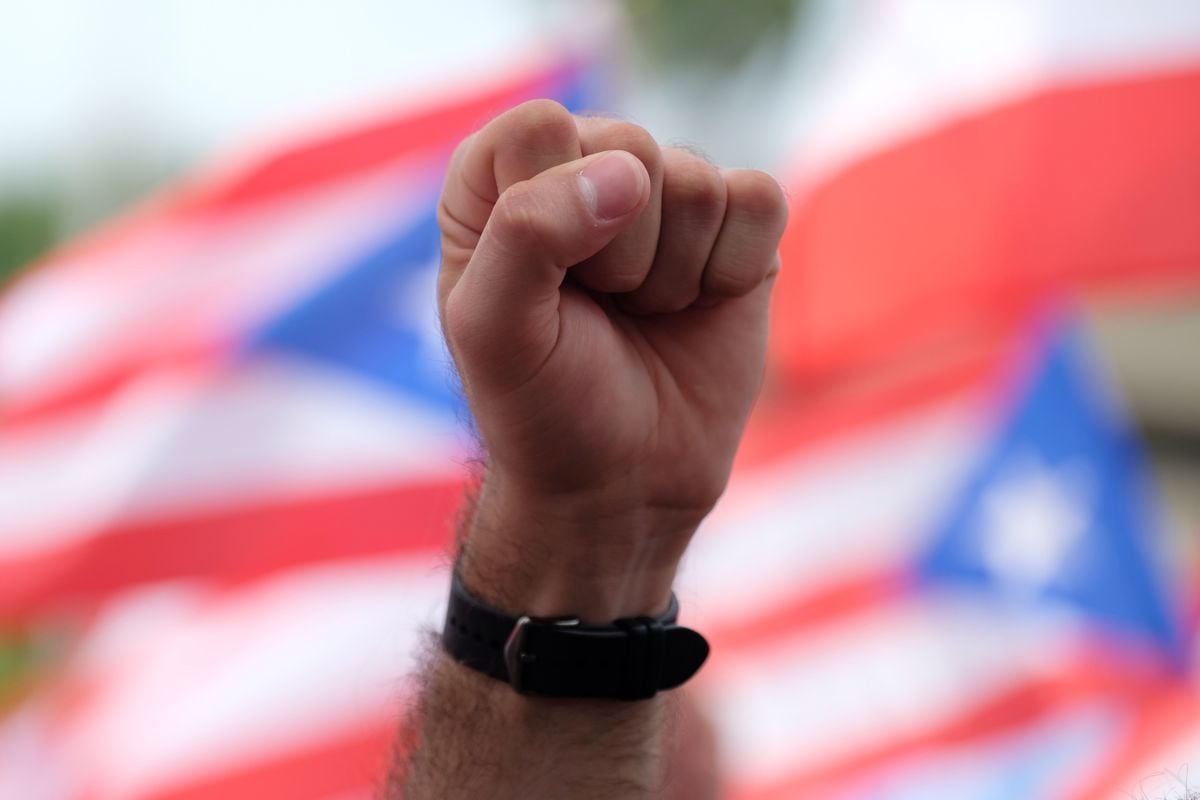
[518, 145]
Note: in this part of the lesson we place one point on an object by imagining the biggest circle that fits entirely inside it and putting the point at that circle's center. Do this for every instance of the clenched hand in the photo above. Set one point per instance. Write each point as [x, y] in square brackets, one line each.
[605, 301]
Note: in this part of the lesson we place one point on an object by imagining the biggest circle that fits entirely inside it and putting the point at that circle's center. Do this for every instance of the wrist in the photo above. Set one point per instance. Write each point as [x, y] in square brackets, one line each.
[597, 555]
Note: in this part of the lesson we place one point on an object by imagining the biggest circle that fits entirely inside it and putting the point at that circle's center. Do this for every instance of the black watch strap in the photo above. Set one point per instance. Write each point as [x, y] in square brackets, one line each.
[631, 659]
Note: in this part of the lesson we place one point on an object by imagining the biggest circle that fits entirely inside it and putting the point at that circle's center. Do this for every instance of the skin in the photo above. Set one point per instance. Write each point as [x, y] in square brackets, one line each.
[605, 301]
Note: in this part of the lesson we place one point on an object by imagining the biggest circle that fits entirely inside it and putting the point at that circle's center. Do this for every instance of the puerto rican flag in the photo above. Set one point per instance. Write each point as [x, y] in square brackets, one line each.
[230, 456]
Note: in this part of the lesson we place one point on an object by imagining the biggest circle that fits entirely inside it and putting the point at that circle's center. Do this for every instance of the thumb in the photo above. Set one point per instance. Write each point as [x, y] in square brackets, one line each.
[504, 307]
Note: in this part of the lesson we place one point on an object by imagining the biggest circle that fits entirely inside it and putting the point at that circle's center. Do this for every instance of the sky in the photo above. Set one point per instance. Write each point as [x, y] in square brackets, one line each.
[197, 76]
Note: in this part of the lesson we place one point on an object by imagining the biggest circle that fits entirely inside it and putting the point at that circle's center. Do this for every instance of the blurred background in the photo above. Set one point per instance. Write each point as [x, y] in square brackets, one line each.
[958, 556]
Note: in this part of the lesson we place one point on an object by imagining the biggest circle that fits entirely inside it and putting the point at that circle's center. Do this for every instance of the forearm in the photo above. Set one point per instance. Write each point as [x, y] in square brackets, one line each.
[478, 737]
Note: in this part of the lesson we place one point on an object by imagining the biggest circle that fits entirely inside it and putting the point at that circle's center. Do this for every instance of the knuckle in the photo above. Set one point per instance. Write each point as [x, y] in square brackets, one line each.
[633, 139]
[696, 186]
[517, 217]
[539, 125]
[760, 197]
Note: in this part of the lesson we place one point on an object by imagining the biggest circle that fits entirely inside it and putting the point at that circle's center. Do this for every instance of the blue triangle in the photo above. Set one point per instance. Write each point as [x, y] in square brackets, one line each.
[1059, 511]
[377, 320]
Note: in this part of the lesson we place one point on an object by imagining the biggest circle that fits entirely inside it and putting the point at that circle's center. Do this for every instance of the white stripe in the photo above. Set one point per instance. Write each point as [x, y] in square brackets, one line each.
[909, 66]
[806, 700]
[30, 766]
[297, 660]
[174, 443]
[61, 480]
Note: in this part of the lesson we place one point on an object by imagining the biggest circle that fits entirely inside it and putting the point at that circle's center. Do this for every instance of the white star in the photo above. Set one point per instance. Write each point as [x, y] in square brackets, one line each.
[1031, 519]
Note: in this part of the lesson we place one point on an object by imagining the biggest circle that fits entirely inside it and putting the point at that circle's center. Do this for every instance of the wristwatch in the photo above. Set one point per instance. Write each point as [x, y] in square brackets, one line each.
[631, 659]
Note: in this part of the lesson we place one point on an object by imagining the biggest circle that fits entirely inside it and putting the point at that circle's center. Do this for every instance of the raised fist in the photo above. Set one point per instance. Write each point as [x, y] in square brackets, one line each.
[605, 301]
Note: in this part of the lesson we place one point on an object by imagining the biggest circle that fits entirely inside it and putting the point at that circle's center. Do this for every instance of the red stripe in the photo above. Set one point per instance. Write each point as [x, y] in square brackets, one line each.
[953, 235]
[91, 393]
[1162, 718]
[351, 765]
[229, 545]
[814, 609]
[1005, 712]
[793, 413]
[350, 152]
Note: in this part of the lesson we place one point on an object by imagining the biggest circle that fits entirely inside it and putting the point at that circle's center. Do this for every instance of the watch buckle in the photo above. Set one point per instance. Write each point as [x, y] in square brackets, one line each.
[515, 657]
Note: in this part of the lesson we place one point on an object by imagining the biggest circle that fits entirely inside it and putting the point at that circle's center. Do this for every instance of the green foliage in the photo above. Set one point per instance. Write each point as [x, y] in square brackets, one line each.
[18, 662]
[50, 203]
[709, 34]
[28, 227]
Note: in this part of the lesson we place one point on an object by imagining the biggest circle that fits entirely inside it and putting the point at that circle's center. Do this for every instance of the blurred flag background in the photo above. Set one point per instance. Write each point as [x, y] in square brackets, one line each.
[958, 556]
